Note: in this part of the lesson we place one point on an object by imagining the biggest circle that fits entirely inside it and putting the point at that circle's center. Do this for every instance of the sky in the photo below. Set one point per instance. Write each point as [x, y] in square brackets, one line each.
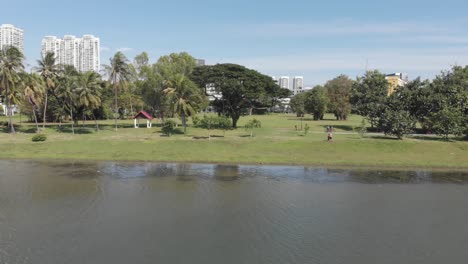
[315, 39]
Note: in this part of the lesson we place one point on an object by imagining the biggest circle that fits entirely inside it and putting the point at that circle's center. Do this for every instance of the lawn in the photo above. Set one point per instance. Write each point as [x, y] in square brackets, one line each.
[276, 142]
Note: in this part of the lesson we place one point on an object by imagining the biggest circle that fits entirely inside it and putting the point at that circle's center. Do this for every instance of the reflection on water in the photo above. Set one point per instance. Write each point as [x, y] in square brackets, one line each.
[117, 212]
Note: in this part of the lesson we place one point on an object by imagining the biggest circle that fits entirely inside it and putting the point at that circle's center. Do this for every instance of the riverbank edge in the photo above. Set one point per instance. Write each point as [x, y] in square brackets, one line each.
[376, 167]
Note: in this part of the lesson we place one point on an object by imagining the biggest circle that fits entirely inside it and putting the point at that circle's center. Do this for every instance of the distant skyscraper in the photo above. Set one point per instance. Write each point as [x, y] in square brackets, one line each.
[199, 62]
[283, 82]
[11, 36]
[82, 53]
[298, 84]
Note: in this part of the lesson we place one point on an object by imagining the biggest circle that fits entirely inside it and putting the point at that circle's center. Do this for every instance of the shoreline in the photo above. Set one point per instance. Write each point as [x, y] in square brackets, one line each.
[385, 167]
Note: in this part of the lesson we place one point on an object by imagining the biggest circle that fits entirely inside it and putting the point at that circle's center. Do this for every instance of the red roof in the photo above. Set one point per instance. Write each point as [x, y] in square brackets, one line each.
[143, 114]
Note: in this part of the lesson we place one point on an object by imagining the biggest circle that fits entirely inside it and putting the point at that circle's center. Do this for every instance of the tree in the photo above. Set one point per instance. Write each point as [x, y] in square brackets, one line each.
[316, 102]
[251, 125]
[297, 104]
[449, 102]
[241, 89]
[118, 73]
[11, 64]
[88, 86]
[48, 71]
[34, 90]
[65, 91]
[338, 92]
[184, 96]
[396, 118]
[368, 95]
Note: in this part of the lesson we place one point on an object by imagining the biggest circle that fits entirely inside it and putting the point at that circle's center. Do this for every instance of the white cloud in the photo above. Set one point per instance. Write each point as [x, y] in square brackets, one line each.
[125, 49]
[105, 49]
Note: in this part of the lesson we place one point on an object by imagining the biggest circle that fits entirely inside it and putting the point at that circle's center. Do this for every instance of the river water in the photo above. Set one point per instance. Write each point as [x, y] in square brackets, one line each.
[111, 212]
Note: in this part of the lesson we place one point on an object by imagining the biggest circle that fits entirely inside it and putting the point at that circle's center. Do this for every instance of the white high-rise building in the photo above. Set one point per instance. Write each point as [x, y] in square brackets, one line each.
[298, 84]
[90, 59]
[11, 36]
[283, 82]
[82, 53]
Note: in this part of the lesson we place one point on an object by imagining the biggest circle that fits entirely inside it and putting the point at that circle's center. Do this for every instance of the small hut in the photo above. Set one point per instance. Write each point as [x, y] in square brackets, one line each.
[144, 115]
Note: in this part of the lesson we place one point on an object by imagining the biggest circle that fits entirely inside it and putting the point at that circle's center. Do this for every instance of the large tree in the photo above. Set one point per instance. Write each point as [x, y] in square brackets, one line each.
[338, 92]
[11, 64]
[368, 95]
[316, 102]
[119, 73]
[241, 89]
[297, 104]
[88, 90]
[449, 102]
[33, 92]
[48, 70]
[184, 97]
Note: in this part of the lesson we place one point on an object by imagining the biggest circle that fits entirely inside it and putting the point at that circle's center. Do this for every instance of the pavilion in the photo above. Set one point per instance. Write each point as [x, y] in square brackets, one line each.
[144, 115]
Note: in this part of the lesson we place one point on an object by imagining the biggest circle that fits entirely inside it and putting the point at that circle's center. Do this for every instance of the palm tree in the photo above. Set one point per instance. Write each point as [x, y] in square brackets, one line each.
[184, 97]
[11, 64]
[65, 90]
[119, 73]
[88, 88]
[33, 92]
[49, 71]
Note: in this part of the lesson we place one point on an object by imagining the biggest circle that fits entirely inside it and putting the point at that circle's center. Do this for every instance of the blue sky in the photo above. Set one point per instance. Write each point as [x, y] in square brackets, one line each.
[316, 39]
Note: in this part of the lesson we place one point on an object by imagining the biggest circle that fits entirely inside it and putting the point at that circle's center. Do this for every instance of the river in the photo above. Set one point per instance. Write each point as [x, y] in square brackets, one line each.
[117, 212]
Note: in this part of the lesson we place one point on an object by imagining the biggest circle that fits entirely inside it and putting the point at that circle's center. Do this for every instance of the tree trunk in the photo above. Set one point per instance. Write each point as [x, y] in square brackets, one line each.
[184, 123]
[73, 120]
[235, 118]
[45, 109]
[9, 113]
[116, 109]
[35, 119]
[95, 120]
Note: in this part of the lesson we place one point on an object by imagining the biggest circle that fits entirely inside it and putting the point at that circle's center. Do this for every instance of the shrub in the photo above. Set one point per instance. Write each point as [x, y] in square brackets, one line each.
[251, 125]
[39, 138]
[306, 129]
[168, 127]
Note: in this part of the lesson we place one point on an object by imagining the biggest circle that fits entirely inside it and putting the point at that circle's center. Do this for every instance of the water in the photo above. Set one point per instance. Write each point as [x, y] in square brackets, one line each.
[54, 212]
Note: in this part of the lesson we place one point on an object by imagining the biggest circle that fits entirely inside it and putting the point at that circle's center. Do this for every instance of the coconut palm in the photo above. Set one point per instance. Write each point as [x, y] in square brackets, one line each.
[33, 92]
[184, 97]
[65, 90]
[88, 86]
[49, 72]
[11, 64]
[118, 73]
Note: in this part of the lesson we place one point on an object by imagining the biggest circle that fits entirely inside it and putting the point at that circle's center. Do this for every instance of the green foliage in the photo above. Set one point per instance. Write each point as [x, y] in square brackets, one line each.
[316, 102]
[39, 138]
[251, 125]
[2, 110]
[368, 95]
[396, 118]
[168, 127]
[241, 88]
[306, 129]
[362, 128]
[449, 120]
[297, 104]
[213, 122]
[338, 92]
[11, 65]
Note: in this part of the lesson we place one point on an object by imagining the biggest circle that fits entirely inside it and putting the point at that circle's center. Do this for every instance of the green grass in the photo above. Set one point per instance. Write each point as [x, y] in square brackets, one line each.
[277, 142]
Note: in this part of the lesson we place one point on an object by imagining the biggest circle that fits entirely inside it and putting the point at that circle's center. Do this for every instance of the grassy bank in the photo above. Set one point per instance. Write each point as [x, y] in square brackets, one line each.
[277, 142]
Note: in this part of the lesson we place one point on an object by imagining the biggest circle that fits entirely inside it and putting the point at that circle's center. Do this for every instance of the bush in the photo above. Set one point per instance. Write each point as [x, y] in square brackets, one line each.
[39, 138]
[213, 122]
[169, 127]
[251, 125]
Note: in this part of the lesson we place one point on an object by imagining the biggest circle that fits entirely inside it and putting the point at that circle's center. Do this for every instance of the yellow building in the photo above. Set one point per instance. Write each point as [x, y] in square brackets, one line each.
[395, 80]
